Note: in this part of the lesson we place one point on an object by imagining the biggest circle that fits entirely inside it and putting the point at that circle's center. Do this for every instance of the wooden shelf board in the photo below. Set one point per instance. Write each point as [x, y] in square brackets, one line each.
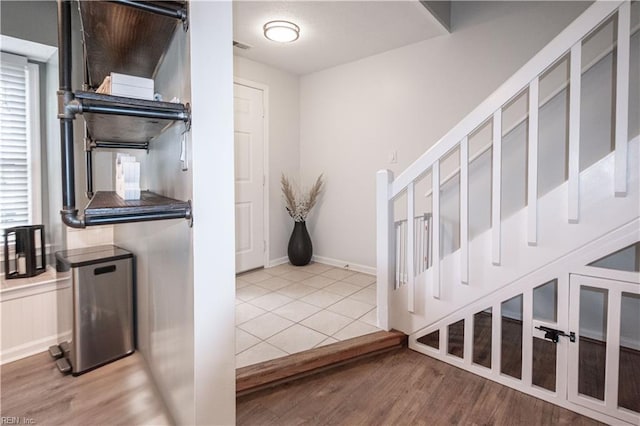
[122, 128]
[123, 39]
[93, 98]
[109, 204]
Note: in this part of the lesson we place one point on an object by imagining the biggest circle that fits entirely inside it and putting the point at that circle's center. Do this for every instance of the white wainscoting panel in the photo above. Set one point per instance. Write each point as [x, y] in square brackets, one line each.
[35, 314]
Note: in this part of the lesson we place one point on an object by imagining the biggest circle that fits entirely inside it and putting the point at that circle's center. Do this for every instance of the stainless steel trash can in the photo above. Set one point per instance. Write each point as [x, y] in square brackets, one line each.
[102, 289]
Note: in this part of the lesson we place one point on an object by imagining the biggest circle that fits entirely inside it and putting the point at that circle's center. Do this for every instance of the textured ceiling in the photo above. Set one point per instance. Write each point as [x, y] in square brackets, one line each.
[331, 32]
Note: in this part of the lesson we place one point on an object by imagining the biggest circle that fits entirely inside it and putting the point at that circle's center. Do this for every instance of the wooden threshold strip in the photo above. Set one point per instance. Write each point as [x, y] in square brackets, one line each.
[276, 371]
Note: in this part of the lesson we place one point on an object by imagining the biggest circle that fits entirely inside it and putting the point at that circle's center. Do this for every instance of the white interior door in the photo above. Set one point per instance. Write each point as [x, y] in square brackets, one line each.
[249, 177]
[604, 362]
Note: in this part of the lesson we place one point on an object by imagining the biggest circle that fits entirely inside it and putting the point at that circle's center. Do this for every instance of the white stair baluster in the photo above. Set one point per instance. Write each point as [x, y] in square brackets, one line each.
[402, 254]
[464, 210]
[435, 243]
[574, 133]
[397, 253]
[429, 230]
[496, 187]
[416, 245]
[410, 247]
[384, 254]
[419, 255]
[425, 242]
[532, 169]
[622, 100]
[423, 265]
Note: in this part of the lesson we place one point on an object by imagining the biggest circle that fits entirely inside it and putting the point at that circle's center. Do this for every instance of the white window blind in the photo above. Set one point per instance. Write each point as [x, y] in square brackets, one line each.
[19, 142]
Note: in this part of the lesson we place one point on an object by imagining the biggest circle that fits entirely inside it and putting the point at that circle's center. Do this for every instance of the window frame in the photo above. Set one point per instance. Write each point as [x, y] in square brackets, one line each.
[34, 136]
[33, 95]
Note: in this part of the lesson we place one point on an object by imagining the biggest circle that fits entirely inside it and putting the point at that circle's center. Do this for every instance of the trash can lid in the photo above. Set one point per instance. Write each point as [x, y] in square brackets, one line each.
[92, 255]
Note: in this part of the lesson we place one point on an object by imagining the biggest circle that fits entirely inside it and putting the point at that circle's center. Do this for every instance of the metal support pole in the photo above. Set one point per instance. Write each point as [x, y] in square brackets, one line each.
[64, 41]
[138, 218]
[89, 161]
[69, 212]
[180, 14]
[134, 112]
[121, 145]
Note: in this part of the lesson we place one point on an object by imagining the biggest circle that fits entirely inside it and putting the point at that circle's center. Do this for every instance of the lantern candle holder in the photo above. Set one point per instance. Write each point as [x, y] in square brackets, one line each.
[27, 260]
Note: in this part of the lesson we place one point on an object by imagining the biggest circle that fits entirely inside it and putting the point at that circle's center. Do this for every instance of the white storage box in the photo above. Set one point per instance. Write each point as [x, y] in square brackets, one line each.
[128, 86]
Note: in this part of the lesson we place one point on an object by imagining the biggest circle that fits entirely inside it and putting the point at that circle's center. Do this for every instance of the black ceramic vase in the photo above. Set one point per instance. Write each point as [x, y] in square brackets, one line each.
[300, 247]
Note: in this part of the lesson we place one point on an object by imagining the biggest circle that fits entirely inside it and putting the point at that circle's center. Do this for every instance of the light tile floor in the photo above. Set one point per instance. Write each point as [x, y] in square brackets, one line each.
[288, 309]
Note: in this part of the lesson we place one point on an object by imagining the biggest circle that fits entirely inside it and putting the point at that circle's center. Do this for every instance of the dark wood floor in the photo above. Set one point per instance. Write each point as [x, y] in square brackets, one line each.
[401, 387]
[119, 393]
[398, 388]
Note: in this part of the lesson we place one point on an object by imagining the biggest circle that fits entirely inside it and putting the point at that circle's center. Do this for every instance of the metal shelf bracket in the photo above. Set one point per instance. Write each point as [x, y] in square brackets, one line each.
[181, 14]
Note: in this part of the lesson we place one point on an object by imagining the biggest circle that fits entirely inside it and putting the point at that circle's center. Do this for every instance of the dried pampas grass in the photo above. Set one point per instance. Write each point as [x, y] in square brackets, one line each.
[299, 207]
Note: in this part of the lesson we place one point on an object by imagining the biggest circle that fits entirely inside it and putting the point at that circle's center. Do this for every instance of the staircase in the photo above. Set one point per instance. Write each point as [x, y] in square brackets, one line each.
[486, 244]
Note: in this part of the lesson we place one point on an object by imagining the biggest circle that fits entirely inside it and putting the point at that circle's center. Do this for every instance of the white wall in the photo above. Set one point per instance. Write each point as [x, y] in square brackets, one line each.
[213, 231]
[30, 20]
[284, 142]
[163, 254]
[354, 115]
[186, 276]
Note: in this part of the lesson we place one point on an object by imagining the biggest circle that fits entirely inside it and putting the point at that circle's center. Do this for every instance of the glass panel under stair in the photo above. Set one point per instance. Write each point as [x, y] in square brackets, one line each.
[432, 339]
[544, 364]
[455, 345]
[544, 351]
[627, 259]
[482, 322]
[511, 345]
[629, 370]
[592, 348]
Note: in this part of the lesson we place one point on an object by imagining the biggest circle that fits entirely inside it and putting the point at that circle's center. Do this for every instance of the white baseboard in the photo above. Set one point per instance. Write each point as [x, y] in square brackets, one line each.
[328, 261]
[345, 264]
[32, 348]
[276, 262]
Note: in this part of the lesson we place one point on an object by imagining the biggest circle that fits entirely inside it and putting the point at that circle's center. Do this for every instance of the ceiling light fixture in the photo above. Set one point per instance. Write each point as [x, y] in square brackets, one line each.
[281, 31]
